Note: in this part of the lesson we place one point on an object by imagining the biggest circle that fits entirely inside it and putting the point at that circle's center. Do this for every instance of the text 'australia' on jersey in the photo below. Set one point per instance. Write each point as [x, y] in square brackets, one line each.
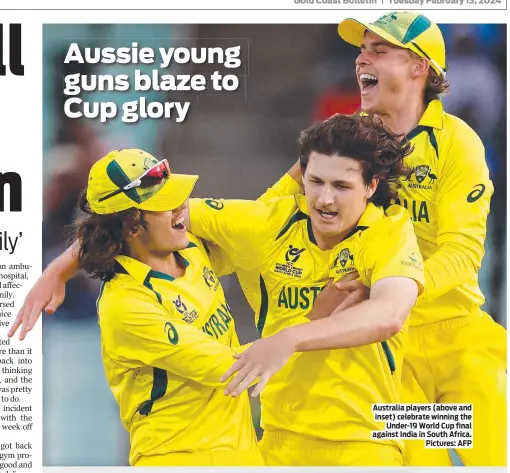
[166, 343]
[282, 270]
[447, 195]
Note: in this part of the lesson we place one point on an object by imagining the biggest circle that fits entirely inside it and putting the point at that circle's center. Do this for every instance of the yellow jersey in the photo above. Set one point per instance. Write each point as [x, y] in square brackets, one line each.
[165, 345]
[448, 197]
[323, 394]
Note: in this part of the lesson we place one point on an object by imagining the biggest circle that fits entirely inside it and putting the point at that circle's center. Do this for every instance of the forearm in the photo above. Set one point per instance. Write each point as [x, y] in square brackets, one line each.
[288, 184]
[368, 322]
[295, 173]
[449, 267]
[327, 301]
[66, 265]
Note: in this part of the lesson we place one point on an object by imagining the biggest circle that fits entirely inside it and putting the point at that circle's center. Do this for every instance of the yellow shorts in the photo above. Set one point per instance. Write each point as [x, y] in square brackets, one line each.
[283, 448]
[241, 458]
[460, 360]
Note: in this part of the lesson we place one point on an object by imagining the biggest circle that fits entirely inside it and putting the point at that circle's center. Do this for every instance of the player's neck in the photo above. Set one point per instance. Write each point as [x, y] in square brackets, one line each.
[329, 242]
[405, 118]
[167, 264]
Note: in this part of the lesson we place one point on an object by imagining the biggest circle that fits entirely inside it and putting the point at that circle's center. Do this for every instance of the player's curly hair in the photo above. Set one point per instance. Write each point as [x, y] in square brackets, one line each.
[103, 237]
[365, 139]
[436, 86]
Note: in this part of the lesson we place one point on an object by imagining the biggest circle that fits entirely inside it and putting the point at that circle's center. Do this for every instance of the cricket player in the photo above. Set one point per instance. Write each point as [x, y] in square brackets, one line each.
[456, 352]
[318, 409]
[401, 70]
[167, 334]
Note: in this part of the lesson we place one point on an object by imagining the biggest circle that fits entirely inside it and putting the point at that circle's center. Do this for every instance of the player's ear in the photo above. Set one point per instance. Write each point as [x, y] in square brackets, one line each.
[132, 225]
[420, 67]
[372, 187]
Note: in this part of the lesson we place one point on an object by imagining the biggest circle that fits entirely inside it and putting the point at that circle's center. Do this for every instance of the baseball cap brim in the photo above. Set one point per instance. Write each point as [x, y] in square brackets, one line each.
[174, 192]
[353, 31]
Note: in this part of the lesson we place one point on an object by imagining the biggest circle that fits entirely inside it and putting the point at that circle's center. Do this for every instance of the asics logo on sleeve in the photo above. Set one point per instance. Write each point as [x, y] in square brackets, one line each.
[476, 193]
[214, 204]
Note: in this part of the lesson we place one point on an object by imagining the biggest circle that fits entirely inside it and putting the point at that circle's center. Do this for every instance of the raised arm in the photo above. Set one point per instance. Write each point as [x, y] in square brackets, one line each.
[47, 293]
[463, 204]
[288, 184]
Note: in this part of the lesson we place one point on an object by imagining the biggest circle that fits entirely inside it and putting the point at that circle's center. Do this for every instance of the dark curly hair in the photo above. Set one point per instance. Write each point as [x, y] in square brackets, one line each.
[103, 237]
[365, 139]
[436, 86]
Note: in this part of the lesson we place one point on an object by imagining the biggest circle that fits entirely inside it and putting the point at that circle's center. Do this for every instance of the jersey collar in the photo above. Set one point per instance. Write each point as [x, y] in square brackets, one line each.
[139, 271]
[371, 215]
[433, 116]
[303, 208]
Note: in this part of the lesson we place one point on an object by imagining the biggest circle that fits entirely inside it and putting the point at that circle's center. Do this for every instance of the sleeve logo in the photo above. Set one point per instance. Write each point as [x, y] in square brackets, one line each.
[214, 204]
[476, 193]
[171, 332]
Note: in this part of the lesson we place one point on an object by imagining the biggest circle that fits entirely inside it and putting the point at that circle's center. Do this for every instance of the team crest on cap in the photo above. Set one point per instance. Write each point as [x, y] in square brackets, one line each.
[149, 162]
[385, 19]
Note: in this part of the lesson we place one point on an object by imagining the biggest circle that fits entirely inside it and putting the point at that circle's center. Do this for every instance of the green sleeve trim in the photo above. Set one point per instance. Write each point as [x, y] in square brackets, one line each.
[159, 385]
[389, 356]
[264, 302]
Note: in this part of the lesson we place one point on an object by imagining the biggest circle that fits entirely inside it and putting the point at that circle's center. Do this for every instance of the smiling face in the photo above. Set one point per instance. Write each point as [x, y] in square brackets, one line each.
[163, 234]
[386, 75]
[336, 195]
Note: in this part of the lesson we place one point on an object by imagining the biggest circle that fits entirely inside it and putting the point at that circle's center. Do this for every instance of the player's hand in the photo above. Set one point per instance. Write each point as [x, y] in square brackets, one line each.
[47, 294]
[356, 292]
[330, 298]
[262, 360]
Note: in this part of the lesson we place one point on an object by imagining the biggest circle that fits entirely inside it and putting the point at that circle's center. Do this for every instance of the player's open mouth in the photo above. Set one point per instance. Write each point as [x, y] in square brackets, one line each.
[178, 224]
[327, 215]
[367, 81]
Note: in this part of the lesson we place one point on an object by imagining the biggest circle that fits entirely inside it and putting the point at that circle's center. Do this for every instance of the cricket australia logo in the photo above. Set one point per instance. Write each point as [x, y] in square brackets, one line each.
[148, 163]
[421, 173]
[344, 262]
[385, 19]
[291, 258]
[187, 315]
[210, 279]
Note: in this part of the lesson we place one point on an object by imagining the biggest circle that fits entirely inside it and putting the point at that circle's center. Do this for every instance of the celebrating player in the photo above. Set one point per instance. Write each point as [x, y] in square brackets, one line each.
[285, 250]
[456, 352]
[401, 71]
[318, 409]
[166, 330]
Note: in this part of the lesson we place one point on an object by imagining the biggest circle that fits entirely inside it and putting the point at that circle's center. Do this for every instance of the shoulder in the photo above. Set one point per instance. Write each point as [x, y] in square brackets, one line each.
[122, 299]
[456, 133]
[395, 224]
[397, 215]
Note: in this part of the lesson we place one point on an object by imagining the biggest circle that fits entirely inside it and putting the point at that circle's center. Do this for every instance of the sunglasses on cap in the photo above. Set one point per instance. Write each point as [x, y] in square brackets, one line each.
[151, 177]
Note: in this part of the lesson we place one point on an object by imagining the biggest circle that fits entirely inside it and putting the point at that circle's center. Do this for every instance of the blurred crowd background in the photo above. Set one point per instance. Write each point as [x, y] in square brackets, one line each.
[239, 143]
